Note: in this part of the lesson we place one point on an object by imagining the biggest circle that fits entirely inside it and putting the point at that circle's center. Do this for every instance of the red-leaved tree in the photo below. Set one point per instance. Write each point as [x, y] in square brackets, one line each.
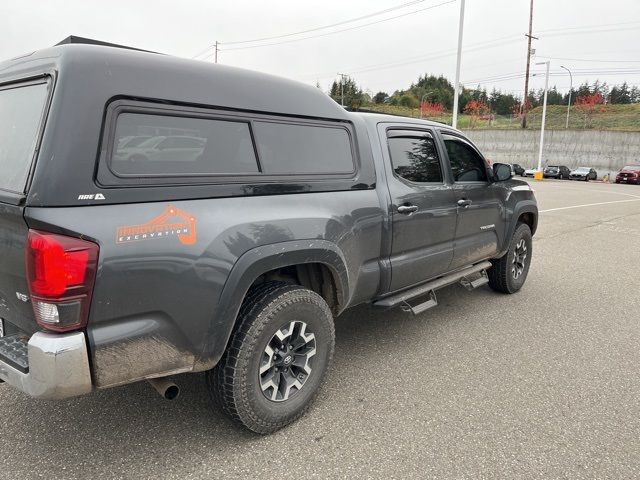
[476, 109]
[588, 105]
[431, 109]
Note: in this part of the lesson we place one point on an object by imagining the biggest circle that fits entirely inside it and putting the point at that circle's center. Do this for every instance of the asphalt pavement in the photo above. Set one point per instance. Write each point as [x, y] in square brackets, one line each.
[541, 384]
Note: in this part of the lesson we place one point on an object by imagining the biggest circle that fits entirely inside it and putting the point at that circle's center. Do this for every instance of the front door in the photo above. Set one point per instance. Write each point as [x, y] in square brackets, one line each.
[480, 204]
[423, 207]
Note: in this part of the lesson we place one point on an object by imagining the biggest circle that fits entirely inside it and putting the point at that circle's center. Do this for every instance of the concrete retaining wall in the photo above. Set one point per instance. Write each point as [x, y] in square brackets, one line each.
[604, 151]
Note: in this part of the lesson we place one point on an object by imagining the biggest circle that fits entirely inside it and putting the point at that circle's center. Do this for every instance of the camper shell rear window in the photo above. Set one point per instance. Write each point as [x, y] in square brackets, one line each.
[159, 145]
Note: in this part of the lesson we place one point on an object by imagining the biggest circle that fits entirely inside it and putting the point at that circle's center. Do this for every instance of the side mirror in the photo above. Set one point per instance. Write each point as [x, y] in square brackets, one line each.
[501, 172]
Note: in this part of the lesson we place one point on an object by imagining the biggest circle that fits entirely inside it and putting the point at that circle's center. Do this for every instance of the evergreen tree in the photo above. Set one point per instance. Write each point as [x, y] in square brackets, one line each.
[583, 90]
[554, 97]
[620, 94]
[380, 97]
[353, 96]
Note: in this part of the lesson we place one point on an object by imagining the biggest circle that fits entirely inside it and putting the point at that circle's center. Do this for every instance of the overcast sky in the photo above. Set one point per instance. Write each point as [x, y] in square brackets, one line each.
[599, 38]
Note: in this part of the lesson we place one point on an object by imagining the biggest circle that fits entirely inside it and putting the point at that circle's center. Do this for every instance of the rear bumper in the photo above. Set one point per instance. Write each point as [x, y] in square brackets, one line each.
[58, 367]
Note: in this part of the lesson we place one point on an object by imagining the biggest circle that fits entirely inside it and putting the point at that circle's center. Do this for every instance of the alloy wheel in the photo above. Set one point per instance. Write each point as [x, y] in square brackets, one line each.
[286, 362]
[519, 258]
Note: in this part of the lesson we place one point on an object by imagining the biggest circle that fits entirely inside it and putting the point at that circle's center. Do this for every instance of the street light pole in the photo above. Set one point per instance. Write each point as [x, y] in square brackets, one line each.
[570, 90]
[544, 116]
[454, 121]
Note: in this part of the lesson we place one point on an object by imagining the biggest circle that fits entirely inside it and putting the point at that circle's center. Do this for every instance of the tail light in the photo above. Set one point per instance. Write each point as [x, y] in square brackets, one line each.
[61, 272]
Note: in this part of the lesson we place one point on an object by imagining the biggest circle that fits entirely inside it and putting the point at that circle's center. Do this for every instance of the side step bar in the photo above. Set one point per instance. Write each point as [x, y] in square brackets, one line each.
[429, 288]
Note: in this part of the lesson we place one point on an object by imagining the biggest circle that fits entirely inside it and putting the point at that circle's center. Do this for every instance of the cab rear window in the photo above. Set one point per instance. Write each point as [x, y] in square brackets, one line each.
[21, 113]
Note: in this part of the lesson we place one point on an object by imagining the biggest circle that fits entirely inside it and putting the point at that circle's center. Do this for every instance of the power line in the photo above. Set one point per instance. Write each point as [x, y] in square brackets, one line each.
[342, 30]
[420, 58]
[446, 53]
[589, 32]
[558, 73]
[602, 25]
[324, 27]
[487, 44]
[590, 60]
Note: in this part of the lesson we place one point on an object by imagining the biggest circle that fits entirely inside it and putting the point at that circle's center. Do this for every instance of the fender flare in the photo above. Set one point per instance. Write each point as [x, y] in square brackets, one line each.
[523, 206]
[258, 261]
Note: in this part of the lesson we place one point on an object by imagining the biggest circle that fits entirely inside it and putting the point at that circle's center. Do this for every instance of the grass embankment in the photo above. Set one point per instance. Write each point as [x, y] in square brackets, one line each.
[610, 117]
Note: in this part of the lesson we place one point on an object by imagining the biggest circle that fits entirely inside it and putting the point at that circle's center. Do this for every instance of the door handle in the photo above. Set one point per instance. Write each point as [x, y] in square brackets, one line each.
[407, 209]
[464, 202]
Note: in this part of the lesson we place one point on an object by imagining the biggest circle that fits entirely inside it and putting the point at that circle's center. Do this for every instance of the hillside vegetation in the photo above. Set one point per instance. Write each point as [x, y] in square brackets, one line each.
[608, 117]
[594, 106]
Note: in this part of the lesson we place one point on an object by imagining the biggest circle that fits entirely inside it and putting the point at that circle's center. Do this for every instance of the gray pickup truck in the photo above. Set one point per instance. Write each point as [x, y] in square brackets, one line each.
[160, 215]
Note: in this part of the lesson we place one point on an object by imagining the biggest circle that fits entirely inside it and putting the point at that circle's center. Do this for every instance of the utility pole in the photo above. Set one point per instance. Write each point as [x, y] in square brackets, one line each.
[215, 58]
[544, 118]
[526, 76]
[570, 90]
[342, 76]
[456, 85]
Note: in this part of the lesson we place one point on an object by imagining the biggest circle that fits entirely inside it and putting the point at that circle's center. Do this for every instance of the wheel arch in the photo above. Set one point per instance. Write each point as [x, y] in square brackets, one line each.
[263, 261]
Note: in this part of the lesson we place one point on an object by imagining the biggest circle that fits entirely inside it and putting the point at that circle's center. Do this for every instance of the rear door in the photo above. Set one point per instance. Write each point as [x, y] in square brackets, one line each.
[480, 204]
[22, 107]
[423, 208]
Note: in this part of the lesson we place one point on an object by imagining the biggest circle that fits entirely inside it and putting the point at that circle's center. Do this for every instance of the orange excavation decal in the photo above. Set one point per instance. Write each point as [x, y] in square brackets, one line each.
[183, 226]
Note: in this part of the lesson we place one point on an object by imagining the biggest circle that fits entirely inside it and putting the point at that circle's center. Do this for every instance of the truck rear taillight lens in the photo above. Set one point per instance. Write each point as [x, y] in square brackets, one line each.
[61, 272]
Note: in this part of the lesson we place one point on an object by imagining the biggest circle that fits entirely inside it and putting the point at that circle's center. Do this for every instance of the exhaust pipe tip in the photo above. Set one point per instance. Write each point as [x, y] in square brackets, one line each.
[165, 387]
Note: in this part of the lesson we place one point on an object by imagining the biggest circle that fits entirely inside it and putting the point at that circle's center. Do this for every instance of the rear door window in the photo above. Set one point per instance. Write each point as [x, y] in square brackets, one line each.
[415, 158]
[179, 146]
[21, 113]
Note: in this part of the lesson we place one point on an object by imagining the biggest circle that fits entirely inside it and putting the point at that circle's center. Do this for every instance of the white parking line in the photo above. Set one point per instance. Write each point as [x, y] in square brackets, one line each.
[588, 205]
[613, 192]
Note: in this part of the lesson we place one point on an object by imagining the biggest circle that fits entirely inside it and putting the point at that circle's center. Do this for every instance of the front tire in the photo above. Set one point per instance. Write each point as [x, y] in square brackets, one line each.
[508, 273]
[277, 357]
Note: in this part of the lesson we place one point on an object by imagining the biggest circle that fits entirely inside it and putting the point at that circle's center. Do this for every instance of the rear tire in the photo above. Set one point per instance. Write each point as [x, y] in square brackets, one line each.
[508, 273]
[275, 319]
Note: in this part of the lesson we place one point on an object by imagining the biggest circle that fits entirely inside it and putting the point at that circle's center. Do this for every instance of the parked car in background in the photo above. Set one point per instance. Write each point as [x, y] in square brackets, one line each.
[529, 172]
[583, 173]
[519, 169]
[132, 141]
[556, 171]
[629, 174]
[162, 148]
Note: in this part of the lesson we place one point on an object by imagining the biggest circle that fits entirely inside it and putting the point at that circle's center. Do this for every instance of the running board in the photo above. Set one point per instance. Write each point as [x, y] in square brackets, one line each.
[483, 279]
[429, 288]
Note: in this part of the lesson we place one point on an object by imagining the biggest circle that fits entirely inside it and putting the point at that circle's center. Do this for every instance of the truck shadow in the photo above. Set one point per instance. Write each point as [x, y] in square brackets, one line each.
[134, 425]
